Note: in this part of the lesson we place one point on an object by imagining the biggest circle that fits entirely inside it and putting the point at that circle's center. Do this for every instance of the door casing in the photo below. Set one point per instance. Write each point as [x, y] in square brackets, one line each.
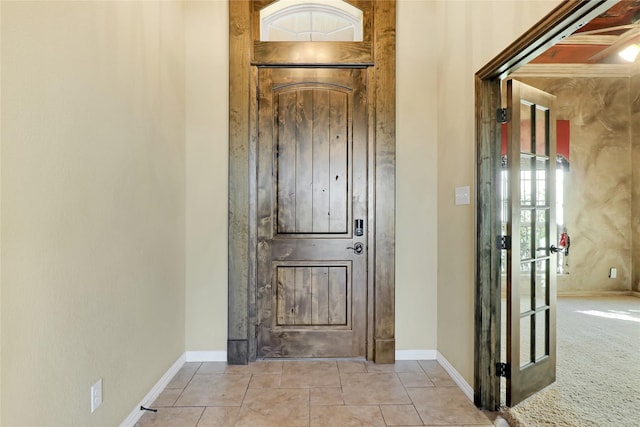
[560, 22]
[246, 53]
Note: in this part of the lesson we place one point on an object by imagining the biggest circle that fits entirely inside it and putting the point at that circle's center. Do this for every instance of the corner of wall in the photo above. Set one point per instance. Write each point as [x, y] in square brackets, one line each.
[206, 164]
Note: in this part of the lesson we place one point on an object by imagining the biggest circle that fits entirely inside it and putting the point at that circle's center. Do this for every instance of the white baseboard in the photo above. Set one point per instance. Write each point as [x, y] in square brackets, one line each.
[416, 354]
[135, 415]
[593, 294]
[455, 375]
[206, 356]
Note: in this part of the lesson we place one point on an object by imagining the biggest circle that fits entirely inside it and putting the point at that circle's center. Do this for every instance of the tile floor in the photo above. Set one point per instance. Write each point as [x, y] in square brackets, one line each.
[341, 393]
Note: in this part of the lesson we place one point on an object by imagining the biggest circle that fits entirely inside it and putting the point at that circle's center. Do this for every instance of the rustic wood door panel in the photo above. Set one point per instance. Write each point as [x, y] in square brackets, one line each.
[312, 172]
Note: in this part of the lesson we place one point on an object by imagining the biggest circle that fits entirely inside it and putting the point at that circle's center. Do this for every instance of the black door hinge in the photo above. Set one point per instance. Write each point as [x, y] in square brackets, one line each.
[503, 370]
[503, 115]
[504, 242]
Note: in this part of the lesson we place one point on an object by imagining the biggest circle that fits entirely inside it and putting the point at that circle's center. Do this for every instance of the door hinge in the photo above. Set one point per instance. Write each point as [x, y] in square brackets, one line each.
[504, 242]
[503, 115]
[503, 370]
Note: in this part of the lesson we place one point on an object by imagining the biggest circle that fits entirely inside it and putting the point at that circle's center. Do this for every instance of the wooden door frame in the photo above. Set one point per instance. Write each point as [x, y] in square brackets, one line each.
[377, 52]
[559, 23]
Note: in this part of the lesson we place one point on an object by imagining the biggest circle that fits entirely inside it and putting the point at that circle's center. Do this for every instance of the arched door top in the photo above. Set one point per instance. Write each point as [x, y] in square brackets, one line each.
[311, 20]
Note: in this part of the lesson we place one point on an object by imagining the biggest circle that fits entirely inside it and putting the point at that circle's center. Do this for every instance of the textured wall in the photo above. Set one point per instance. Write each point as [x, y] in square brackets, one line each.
[635, 146]
[598, 186]
[92, 206]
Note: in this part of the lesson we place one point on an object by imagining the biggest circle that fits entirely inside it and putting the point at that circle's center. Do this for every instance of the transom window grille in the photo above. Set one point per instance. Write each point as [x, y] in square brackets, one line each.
[310, 20]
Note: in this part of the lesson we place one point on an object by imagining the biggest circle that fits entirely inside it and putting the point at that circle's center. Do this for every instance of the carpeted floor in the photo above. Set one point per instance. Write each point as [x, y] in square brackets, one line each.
[598, 374]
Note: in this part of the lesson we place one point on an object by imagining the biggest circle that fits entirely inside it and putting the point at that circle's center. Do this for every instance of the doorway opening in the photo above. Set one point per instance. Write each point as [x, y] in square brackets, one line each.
[559, 23]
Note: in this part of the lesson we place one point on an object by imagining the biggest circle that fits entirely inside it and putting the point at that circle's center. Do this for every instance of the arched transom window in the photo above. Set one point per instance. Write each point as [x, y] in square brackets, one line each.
[310, 20]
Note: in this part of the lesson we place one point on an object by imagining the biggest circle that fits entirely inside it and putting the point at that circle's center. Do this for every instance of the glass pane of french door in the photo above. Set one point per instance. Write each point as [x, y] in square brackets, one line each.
[531, 223]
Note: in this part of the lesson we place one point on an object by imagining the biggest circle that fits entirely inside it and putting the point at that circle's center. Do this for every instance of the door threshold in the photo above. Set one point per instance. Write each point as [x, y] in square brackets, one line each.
[311, 359]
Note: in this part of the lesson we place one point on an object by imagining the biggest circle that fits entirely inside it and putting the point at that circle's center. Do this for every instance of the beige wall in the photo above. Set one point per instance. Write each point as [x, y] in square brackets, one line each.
[92, 206]
[635, 194]
[417, 179]
[599, 184]
[207, 89]
[469, 35]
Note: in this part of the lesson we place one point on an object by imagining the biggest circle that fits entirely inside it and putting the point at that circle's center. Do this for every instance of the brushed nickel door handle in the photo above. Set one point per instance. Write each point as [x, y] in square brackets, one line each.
[358, 248]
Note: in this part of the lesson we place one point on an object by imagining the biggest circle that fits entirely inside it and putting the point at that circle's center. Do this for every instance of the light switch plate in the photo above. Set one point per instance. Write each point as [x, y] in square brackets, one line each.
[463, 195]
[96, 395]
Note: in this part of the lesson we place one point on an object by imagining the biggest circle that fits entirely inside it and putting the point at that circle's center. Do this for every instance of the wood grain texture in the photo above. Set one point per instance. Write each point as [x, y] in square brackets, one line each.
[246, 292]
[312, 158]
[338, 162]
[312, 53]
[253, 217]
[487, 290]
[305, 125]
[338, 296]
[238, 177]
[385, 54]
[321, 156]
[320, 295]
[306, 276]
[286, 161]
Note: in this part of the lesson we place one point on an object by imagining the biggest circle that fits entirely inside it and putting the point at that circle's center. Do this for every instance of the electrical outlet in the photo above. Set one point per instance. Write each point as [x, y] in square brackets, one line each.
[96, 395]
[613, 273]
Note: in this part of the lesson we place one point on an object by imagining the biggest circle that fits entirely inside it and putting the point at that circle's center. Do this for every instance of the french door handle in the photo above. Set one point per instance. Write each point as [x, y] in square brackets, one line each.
[554, 250]
[358, 248]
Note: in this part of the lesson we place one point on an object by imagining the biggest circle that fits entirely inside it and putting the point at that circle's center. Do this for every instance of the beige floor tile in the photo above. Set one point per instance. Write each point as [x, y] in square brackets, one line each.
[219, 417]
[238, 369]
[167, 398]
[439, 377]
[265, 381]
[312, 379]
[346, 416]
[415, 379]
[171, 417]
[214, 390]
[311, 367]
[400, 415]
[399, 366]
[380, 368]
[373, 389]
[258, 368]
[445, 405]
[351, 367]
[266, 367]
[212, 368]
[326, 396]
[184, 375]
[274, 407]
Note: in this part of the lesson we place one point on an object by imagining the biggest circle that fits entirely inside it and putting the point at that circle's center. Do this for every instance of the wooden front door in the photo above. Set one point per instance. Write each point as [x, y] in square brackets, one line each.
[531, 261]
[311, 291]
